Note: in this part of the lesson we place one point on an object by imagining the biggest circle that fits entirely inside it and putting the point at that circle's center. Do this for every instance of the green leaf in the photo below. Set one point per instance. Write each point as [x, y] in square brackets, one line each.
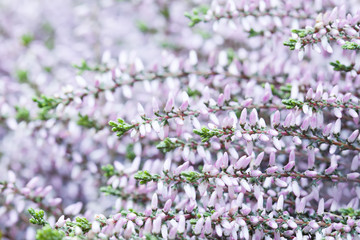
[291, 43]
[144, 177]
[167, 145]
[47, 233]
[22, 114]
[121, 127]
[143, 27]
[86, 122]
[26, 39]
[351, 46]
[109, 170]
[191, 176]
[37, 217]
[341, 67]
[291, 103]
[22, 76]
[253, 33]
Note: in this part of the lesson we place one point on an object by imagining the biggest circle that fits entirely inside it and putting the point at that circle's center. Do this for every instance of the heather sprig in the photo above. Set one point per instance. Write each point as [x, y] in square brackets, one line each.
[171, 127]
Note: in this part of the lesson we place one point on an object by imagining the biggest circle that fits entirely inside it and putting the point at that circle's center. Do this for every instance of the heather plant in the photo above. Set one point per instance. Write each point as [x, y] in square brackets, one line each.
[174, 119]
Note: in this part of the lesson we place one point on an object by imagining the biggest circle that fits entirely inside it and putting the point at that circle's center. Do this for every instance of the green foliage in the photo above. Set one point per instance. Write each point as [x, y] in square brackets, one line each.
[47, 233]
[170, 45]
[22, 114]
[26, 39]
[22, 76]
[121, 127]
[167, 145]
[341, 67]
[48, 69]
[291, 103]
[194, 16]
[283, 92]
[165, 12]
[86, 122]
[191, 176]
[193, 93]
[50, 35]
[253, 33]
[349, 212]
[206, 134]
[130, 154]
[108, 170]
[351, 46]
[203, 34]
[143, 27]
[230, 55]
[108, 190]
[291, 43]
[84, 66]
[151, 237]
[303, 32]
[37, 217]
[145, 177]
[46, 104]
[82, 223]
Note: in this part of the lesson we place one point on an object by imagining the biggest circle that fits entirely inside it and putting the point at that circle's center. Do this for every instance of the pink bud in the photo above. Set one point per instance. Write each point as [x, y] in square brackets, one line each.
[221, 100]
[169, 104]
[95, 227]
[353, 136]
[140, 109]
[309, 94]
[272, 159]
[167, 205]
[280, 203]
[181, 225]
[129, 230]
[247, 102]
[276, 118]
[301, 205]
[255, 173]
[154, 201]
[337, 126]
[272, 170]
[353, 113]
[243, 116]
[280, 183]
[131, 216]
[198, 226]
[352, 176]
[227, 92]
[292, 224]
[327, 129]
[259, 159]
[311, 158]
[245, 185]
[314, 225]
[331, 169]
[253, 119]
[156, 225]
[272, 224]
[289, 166]
[337, 226]
[147, 226]
[225, 160]
[61, 222]
[311, 173]
[320, 210]
[32, 183]
[207, 228]
[155, 105]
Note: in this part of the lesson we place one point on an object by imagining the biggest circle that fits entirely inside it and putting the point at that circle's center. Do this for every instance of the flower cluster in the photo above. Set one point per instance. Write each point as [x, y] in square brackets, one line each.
[204, 126]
